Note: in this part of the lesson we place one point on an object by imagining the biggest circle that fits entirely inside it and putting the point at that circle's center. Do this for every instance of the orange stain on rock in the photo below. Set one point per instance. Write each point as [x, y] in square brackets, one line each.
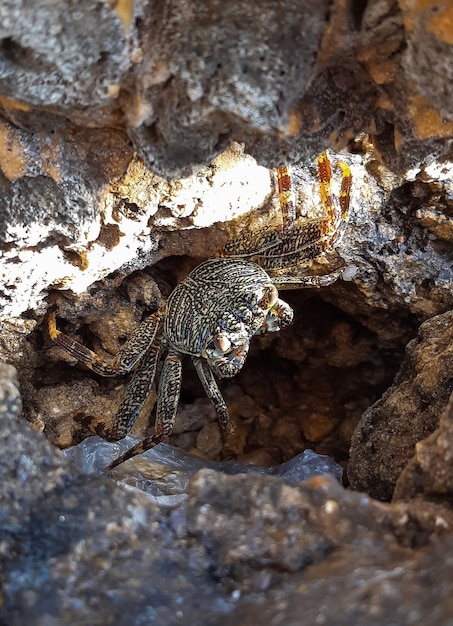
[9, 103]
[437, 16]
[13, 160]
[441, 25]
[426, 120]
[125, 11]
[294, 123]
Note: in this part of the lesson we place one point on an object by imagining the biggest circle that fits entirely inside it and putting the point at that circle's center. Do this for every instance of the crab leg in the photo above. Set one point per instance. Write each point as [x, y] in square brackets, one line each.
[285, 283]
[286, 197]
[167, 404]
[137, 393]
[297, 243]
[337, 209]
[213, 392]
[124, 361]
[169, 390]
[345, 191]
[302, 244]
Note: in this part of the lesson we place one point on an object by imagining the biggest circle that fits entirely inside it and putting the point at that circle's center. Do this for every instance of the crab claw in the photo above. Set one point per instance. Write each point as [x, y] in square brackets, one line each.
[278, 317]
[229, 364]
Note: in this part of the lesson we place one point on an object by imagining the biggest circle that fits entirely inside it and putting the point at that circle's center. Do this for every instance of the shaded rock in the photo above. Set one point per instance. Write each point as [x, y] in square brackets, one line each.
[10, 400]
[62, 59]
[249, 545]
[427, 58]
[222, 71]
[389, 431]
[429, 474]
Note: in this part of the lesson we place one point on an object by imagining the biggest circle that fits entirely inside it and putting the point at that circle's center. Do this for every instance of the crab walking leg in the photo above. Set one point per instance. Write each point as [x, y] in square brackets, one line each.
[124, 361]
[345, 191]
[286, 197]
[249, 245]
[325, 187]
[308, 240]
[301, 244]
[213, 392]
[285, 283]
[337, 209]
[169, 391]
[139, 448]
[297, 242]
[137, 393]
[279, 249]
[167, 405]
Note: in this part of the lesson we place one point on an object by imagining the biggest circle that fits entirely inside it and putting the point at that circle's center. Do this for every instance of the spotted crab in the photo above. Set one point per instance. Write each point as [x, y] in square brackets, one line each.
[213, 314]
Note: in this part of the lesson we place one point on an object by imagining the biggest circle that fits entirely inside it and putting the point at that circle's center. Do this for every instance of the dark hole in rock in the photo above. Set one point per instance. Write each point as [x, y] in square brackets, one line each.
[304, 387]
[11, 50]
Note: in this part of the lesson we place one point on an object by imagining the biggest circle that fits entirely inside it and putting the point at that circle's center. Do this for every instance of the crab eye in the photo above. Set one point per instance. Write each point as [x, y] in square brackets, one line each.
[222, 342]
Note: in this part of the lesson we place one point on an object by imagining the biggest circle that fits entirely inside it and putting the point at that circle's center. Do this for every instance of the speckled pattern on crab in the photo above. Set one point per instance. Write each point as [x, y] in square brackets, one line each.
[216, 310]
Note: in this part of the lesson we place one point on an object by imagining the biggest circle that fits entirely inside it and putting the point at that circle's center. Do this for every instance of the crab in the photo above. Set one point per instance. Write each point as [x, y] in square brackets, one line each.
[213, 314]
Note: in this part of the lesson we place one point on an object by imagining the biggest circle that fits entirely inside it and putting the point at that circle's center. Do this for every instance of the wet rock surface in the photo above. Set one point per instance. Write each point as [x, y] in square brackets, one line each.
[97, 105]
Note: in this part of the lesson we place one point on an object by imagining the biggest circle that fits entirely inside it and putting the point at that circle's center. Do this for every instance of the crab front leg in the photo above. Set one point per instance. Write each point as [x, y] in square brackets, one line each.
[167, 405]
[279, 316]
[213, 392]
[124, 361]
[140, 348]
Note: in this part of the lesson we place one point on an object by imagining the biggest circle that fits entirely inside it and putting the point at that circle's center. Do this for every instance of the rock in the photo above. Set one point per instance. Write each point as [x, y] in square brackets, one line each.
[428, 475]
[67, 230]
[10, 400]
[100, 102]
[246, 543]
[209, 440]
[184, 81]
[338, 357]
[389, 432]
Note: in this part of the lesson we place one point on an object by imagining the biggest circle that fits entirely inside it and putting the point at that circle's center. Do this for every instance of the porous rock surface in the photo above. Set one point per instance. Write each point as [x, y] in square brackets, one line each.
[410, 410]
[185, 79]
[79, 549]
[101, 102]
